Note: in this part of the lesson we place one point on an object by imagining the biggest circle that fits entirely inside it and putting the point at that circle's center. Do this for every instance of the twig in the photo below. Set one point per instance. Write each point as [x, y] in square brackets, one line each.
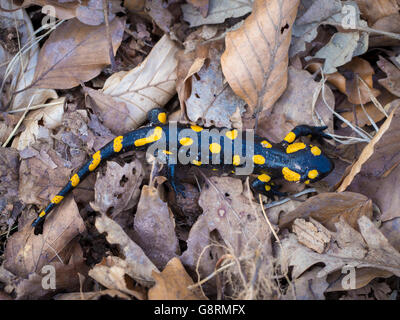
[110, 49]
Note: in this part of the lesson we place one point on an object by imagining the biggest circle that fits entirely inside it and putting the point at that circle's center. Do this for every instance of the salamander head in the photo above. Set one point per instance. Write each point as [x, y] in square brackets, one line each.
[157, 116]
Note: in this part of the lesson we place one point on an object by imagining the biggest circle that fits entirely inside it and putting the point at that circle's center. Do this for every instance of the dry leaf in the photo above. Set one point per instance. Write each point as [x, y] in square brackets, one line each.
[377, 169]
[27, 253]
[130, 95]
[329, 208]
[112, 273]
[389, 24]
[212, 101]
[75, 53]
[218, 11]
[392, 82]
[136, 264]
[348, 248]
[201, 5]
[118, 189]
[154, 227]
[311, 234]
[95, 295]
[256, 56]
[172, 284]
[376, 9]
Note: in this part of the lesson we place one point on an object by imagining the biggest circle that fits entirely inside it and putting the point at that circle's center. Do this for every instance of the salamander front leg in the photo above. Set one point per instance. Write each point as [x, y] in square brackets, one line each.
[305, 130]
[178, 188]
[261, 185]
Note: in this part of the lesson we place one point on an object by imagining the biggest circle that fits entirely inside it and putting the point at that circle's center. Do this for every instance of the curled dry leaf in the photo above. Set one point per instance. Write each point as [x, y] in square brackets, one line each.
[212, 101]
[75, 53]
[218, 11]
[172, 284]
[112, 273]
[128, 96]
[136, 264]
[154, 227]
[392, 82]
[329, 208]
[369, 248]
[27, 253]
[377, 169]
[118, 189]
[256, 57]
[376, 9]
[39, 123]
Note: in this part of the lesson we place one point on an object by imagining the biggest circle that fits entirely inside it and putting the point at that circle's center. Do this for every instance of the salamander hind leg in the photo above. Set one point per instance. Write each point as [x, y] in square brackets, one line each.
[305, 130]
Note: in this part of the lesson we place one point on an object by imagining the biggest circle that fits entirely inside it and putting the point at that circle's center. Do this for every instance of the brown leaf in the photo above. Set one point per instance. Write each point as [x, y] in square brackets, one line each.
[118, 189]
[369, 248]
[154, 227]
[94, 295]
[328, 208]
[256, 56]
[134, 93]
[376, 172]
[114, 274]
[172, 284]
[212, 101]
[136, 264]
[376, 9]
[311, 234]
[389, 24]
[27, 253]
[392, 82]
[160, 14]
[75, 53]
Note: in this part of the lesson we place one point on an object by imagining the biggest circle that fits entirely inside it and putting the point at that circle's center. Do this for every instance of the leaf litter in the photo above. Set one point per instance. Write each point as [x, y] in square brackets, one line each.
[275, 64]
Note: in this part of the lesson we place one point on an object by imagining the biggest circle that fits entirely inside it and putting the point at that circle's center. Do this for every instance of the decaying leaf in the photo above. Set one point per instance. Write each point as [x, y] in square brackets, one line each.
[212, 101]
[136, 264]
[329, 208]
[311, 234]
[348, 248]
[75, 53]
[154, 227]
[128, 96]
[172, 284]
[118, 189]
[27, 253]
[201, 5]
[376, 172]
[376, 9]
[256, 56]
[218, 11]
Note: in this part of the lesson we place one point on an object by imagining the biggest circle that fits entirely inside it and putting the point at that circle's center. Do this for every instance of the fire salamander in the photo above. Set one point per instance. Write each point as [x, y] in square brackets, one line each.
[233, 151]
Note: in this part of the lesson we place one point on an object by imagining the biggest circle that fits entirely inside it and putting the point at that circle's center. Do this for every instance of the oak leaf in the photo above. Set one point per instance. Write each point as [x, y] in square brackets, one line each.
[256, 57]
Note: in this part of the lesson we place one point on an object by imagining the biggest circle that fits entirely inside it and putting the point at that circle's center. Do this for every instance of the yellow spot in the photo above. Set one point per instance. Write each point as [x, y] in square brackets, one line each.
[264, 177]
[196, 128]
[162, 117]
[266, 144]
[294, 147]
[167, 152]
[214, 169]
[307, 182]
[290, 137]
[118, 143]
[315, 151]
[267, 188]
[75, 180]
[236, 160]
[156, 135]
[232, 134]
[57, 199]
[313, 174]
[196, 163]
[290, 175]
[96, 160]
[257, 159]
[215, 147]
[42, 214]
[186, 141]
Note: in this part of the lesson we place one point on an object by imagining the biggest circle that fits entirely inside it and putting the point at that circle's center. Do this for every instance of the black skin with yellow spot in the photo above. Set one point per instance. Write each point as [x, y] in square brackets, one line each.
[307, 164]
